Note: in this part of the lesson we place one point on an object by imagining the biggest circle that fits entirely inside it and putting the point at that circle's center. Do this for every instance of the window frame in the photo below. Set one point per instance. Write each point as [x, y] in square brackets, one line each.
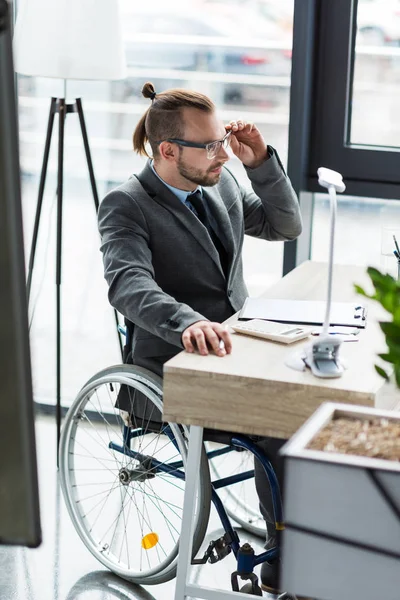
[368, 170]
[323, 59]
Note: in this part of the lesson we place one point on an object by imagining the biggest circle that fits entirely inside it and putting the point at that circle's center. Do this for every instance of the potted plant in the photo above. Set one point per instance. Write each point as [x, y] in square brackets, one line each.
[387, 292]
[342, 510]
[342, 488]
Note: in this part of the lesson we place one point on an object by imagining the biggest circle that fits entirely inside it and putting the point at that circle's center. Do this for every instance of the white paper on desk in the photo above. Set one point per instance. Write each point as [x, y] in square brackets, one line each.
[311, 312]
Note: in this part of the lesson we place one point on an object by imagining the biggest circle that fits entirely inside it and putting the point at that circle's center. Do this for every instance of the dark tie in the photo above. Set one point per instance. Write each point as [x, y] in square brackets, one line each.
[197, 201]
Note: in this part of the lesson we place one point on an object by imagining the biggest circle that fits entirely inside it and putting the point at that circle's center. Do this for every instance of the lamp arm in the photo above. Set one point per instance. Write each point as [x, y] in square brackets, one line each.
[333, 209]
[322, 355]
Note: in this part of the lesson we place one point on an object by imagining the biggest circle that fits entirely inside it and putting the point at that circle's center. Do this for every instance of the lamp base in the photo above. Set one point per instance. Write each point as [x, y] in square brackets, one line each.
[296, 360]
[321, 356]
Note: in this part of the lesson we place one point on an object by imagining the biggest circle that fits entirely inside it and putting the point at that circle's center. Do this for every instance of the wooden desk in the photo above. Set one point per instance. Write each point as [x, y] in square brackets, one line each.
[255, 375]
[253, 391]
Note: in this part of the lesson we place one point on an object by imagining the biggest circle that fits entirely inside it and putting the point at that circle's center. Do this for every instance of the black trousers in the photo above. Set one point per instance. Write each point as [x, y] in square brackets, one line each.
[270, 447]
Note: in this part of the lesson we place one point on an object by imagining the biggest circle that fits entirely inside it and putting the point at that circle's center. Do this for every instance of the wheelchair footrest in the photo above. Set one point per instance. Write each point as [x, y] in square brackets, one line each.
[217, 550]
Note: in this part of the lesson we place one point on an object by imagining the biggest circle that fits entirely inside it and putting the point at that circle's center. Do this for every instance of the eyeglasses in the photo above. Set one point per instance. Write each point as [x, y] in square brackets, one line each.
[213, 148]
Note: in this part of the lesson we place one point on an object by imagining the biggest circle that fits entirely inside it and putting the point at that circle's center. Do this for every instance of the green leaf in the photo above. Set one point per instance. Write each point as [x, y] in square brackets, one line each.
[387, 301]
[382, 373]
[390, 329]
[388, 357]
[361, 291]
[397, 375]
[396, 314]
[394, 347]
[387, 293]
[382, 281]
[375, 275]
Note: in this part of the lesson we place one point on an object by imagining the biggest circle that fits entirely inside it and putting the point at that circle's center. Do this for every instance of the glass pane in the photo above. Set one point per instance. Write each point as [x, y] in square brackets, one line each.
[238, 53]
[375, 115]
[364, 231]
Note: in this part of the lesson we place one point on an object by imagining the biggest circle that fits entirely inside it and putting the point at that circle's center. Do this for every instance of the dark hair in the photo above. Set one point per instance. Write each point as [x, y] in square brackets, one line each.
[163, 119]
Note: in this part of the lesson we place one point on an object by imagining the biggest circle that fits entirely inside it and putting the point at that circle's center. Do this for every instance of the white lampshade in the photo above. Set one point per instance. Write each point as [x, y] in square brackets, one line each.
[69, 39]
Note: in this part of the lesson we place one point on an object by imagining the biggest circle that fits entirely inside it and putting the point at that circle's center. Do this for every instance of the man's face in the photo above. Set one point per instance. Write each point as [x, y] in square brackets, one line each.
[192, 163]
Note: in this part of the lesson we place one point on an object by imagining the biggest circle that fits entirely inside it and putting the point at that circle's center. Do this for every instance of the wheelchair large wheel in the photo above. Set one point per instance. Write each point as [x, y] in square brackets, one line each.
[240, 500]
[124, 486]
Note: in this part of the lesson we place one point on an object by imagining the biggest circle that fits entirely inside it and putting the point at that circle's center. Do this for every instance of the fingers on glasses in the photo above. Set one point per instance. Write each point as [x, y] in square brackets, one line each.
[240, 125]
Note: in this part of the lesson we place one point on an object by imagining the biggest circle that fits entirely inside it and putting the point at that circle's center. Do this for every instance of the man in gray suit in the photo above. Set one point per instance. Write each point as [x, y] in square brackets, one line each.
[172, 236]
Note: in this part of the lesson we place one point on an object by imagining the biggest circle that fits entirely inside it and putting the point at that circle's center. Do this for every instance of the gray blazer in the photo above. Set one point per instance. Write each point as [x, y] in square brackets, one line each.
[162, 268]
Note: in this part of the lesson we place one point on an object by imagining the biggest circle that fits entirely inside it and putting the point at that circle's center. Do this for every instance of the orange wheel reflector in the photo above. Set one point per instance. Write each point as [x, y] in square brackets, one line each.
[149, 541]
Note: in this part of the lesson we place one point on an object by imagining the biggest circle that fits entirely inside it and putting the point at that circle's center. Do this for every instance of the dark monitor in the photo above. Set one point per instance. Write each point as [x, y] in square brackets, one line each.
[19, 498]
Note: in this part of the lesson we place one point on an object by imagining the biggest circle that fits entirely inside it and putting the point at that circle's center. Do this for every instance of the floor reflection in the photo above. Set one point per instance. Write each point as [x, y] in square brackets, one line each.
[107, 586]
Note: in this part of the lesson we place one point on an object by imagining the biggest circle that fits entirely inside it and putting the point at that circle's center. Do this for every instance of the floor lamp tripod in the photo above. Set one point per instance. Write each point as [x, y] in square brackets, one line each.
[77, 50]
[60, 107]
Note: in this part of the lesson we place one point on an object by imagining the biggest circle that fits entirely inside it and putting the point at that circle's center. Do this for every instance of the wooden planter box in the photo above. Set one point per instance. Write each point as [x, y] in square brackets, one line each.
[342, 513]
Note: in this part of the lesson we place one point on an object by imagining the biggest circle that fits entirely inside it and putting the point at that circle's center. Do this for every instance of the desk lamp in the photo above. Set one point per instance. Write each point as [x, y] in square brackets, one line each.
[322, 355]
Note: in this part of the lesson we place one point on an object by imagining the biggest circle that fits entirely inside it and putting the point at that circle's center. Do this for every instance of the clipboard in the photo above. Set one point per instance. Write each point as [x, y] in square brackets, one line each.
[307, 312]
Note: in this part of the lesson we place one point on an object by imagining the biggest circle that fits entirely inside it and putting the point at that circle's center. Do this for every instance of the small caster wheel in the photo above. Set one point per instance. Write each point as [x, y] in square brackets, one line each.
[251, 590]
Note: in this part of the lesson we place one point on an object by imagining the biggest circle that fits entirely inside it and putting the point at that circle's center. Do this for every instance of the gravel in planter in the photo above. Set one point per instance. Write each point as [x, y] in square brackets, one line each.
[377, 438]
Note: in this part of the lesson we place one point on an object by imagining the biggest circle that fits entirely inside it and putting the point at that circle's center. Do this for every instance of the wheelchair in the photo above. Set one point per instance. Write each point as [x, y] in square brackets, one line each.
[124, 484]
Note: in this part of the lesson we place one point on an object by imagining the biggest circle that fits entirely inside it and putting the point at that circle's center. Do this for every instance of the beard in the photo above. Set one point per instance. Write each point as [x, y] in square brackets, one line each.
[199, 176]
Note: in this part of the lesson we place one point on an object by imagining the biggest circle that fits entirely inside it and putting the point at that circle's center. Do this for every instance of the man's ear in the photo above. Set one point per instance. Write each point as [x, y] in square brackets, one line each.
[168, 151]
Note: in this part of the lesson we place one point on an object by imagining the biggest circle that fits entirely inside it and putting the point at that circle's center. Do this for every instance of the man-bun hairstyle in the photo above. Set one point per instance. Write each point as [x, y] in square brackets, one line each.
[163, 118]
[148, 91]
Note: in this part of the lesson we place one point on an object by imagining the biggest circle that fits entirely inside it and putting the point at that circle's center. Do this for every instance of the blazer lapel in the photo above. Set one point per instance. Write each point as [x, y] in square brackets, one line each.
[161, 194]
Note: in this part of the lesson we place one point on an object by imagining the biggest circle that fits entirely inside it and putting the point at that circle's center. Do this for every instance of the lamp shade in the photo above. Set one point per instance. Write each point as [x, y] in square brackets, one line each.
[69, 39]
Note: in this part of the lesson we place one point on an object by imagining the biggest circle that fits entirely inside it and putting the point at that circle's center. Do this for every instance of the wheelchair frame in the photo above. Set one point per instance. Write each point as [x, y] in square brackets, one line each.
[232, 538]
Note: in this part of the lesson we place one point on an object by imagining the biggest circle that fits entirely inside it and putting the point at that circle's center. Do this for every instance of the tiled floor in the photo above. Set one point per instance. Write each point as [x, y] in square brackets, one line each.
[63, 569]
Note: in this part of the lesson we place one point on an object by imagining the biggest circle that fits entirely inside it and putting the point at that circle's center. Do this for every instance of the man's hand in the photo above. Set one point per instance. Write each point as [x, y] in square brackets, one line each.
[204, 335]
[247, 143]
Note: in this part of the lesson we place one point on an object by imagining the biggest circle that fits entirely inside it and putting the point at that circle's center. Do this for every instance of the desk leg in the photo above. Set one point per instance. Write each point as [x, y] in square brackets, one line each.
[186, 539]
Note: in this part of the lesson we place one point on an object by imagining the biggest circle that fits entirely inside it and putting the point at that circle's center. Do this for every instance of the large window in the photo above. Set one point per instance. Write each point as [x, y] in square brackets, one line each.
[376, 82]
[355, 84]
[345, 78]
[237, 52]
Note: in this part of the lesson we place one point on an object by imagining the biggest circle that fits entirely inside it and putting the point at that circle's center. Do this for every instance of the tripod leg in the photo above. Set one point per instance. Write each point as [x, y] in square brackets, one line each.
[87, 152]
[61, 123]
[93, 184]
[41, 192]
